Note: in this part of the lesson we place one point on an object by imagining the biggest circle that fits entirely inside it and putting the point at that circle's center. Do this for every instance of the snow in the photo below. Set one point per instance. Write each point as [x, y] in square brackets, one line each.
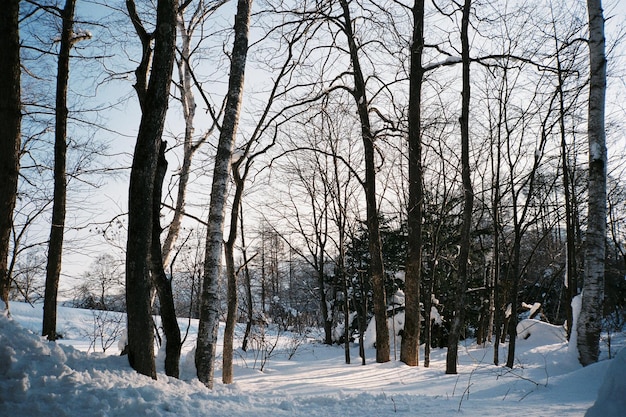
[612, 396]
[40, 378]
[577, 304]
[532, 308]
[435, 317]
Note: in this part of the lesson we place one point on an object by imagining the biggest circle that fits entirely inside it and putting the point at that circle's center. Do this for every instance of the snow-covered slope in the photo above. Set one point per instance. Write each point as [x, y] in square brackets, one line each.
[39, 378]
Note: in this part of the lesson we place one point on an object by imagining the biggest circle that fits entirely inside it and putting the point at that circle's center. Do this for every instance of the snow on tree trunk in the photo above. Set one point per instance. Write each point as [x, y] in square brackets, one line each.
[590, 320]
[572, 347]
[209, 302]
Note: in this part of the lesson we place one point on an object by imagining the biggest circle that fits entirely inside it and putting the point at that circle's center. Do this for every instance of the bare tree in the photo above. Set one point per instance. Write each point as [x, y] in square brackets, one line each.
[55, 246]
[305, 211]
[10, 134]
[162, 283]
[590, 320]
[241, 164]
[209, 308]
[187, 28]
[359, 93]
[468, 201]
[231, 274]
[154, 75]
[409, 353]
[568, 48]
[27, 272]
[104, 276]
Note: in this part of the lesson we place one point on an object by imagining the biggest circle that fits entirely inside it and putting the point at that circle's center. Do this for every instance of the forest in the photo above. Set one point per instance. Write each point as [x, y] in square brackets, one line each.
[428, 171]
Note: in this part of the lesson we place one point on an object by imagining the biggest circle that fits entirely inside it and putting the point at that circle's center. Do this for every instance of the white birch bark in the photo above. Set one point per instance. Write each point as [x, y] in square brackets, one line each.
[209, 302]
[188, 103]
[590, 320]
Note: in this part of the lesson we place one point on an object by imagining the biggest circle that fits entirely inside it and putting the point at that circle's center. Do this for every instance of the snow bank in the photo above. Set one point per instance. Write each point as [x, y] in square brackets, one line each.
[612, 395]
[39, 378]
[542, 333]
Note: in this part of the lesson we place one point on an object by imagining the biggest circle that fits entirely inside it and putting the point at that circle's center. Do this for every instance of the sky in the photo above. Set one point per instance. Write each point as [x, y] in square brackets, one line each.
[301, 377]
[110, 200]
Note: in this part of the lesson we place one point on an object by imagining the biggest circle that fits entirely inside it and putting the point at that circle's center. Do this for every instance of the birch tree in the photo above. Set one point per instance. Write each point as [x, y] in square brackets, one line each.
[209, 301]
[241, 165]
[590, 319]
[187, 29]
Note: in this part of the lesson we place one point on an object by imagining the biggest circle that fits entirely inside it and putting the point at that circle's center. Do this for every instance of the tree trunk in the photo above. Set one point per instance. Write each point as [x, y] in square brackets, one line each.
[161, 282]
[231, 316]
[55, 246]
[570, 238]
[511, 325]
[321, 284]
[409, 349]
[209, 308]
[428, 319]
[346, 309]
[494, 310]
[362, 318]
[376, 258]
[153, 98]
[189, 147]
[232, 300]
[248, 283]
[340, 221]
[458, 318]
[494, 299]
[590, 320]
[10, 134]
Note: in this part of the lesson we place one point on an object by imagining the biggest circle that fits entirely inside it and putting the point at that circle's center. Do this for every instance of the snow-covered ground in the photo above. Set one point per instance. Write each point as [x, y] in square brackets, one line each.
[300, 377]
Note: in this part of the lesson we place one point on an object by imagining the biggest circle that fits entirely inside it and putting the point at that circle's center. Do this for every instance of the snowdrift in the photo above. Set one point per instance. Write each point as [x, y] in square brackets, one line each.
[39, 378]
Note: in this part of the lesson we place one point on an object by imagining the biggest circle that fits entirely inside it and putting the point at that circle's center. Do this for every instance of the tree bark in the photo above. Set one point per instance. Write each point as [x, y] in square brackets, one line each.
[458, 318]
[231, 276]
[190, 147]
[512, 320]
[209, 307]
[153, 98]
[160, 280]
[409, 349]
[570, 237]
[10, 134]
[494, 296]
[248, 284]
[340, 221]
[231, 315]
[55, 246]
[321, 284]
[376, 258]
[590, 320]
